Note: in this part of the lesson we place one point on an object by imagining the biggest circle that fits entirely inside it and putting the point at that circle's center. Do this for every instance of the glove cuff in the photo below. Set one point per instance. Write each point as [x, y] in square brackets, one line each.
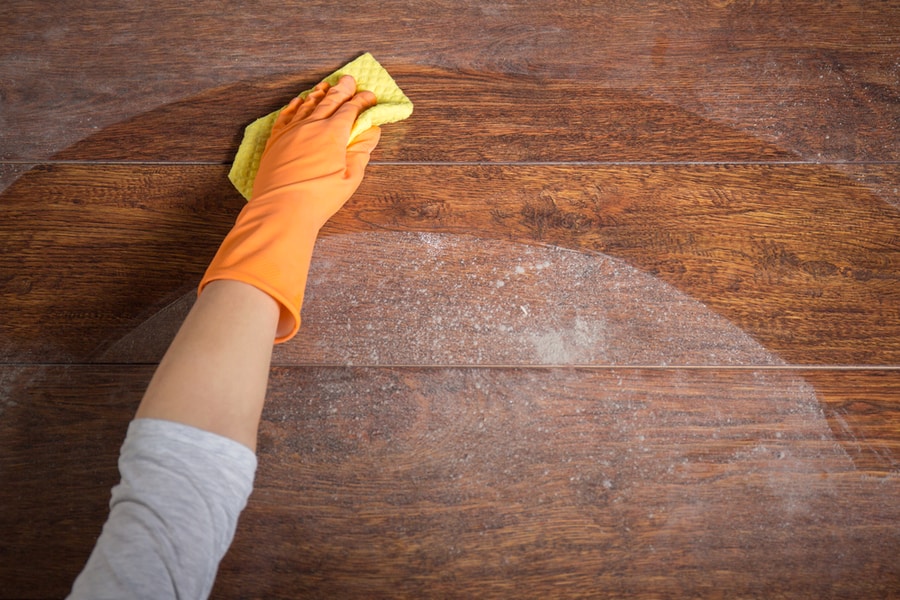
[266, 250]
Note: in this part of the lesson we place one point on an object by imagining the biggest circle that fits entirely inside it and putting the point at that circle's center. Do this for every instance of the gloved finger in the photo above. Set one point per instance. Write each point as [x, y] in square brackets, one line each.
[312, 100]
[347, 114]
[339, 93]
[360, 102]
[286, 114]
[299, 108]
[360, 150]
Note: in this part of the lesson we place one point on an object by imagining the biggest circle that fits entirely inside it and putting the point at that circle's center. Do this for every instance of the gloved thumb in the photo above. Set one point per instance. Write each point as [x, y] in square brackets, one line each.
[360, 150]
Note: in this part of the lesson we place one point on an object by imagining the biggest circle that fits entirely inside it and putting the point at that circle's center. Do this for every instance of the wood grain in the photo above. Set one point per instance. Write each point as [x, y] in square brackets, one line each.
[688, 199]
[497, 482]
[409, 298]
[799, 257]
[818, 81]
[84, 255]
[61, 430]
[518, 118]
[860, 408]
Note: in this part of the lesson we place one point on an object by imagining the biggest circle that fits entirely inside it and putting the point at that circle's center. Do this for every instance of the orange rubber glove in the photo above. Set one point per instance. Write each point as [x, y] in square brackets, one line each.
[306, 174]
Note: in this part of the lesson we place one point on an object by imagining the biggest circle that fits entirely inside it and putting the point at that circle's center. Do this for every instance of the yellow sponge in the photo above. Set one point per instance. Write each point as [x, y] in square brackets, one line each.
[393, 106]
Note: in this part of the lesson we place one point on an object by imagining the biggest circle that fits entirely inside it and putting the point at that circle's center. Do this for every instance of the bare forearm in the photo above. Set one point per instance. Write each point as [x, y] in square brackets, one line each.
[215, 373]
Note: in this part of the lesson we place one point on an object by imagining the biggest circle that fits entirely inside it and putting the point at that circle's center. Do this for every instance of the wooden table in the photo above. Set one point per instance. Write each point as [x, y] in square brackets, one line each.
[615, 313]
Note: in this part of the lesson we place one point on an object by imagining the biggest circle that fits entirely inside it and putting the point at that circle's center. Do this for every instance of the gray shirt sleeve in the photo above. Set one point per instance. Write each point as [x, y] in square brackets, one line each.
[173, 515]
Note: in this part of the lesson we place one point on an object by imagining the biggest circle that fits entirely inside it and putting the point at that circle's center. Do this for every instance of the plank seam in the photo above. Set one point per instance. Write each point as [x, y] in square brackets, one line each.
[792, 367]
[479, 163]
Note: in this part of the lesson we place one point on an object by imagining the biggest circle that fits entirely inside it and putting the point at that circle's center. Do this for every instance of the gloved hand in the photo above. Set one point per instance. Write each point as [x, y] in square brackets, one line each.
[306, 174]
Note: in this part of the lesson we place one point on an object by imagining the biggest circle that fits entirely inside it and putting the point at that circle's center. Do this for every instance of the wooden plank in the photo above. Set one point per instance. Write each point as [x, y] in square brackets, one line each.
[432, 299]
[861, 410]
[816, 81]
[882, 180]
[780, 252]
[517, 118]
[61, 430]
[800, 258]
[84, 255]
[10, 172]
[497, 482]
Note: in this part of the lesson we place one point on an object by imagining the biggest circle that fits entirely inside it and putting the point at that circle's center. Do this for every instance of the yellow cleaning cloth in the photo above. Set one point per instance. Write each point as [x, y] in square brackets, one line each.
[393, 106]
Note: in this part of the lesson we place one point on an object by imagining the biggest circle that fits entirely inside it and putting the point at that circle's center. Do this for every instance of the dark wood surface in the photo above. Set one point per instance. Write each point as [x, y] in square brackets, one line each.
[528, 482]
[818, 80]
[801, 257]
[616, 313]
